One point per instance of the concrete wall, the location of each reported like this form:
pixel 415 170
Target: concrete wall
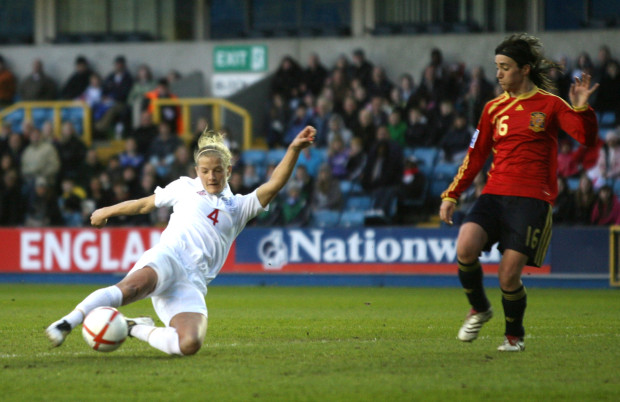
pixel 397 54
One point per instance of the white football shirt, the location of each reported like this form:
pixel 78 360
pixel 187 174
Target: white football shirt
pixel 202 226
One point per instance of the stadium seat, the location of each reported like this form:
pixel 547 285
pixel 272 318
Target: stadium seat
pixel 41 115
pixel 573 183
pixel 325 218
pixel 274 156
pixel 607 119
pixel 443 174
pixel 352 219
pixel 256 157
pixel 426 156
pixel 358 203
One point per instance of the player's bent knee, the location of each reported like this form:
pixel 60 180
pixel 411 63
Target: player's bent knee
pixel 189 345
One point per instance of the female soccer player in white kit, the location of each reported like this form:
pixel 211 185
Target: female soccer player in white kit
pixel 175 273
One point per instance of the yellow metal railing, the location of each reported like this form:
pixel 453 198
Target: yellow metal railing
pixel 57 107
pixel 217 106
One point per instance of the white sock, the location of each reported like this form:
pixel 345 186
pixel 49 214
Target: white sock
pixel 164 339
pixel 110 296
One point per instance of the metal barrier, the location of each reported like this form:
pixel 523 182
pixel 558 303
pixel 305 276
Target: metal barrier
pixel 57 108
pixel 217 105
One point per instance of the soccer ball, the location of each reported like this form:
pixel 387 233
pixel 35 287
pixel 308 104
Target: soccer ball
pixel 104 329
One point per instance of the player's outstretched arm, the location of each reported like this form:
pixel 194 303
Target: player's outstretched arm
pixel 282 172
pixel 132 207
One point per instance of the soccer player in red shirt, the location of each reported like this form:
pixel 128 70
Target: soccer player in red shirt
pixel 519 129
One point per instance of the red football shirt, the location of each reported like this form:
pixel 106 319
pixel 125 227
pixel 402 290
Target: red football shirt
pixel 522 134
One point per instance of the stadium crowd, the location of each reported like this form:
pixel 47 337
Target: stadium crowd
pixel 368 127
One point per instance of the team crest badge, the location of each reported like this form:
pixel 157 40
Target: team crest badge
pixel 537 121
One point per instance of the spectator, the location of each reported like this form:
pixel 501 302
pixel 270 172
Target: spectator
pixel 567 165
pixel 337 158
pixel 8 85
pixel 251 179
pixel 607 167
pixel 312 159
pixel 350 112
pixel 145 133
pixel 377 111
pixel 161 152
pixel 326 193
pixel 277 120
pixel 93 96
pixel 320 121
pixel 583 65
pixel 295 209
pixel 304 181
pixel 314 74
pixel 47 132
pixel 564 205
pixel 98 195
pixel 479 92
pixel 357 160
pixel 413 181
pixel 15 147
pixel 365 129
pixel 606 209
pixel 362 68
pixel 90 167
pixel 383 172
pixel 585 197
pixel 40 159
pixel 182 162
pixel 168 113
pixel 442 121
pixel 379 84
pixel 342 63
pixel 406 87
pixel 397 127
pixel 299 120
pixel 339 84
pixel 41 206
pixel 11 199
pixel 418 131
pixel 37 86
pixel 71 151
pixel 116 88
pixel 287 78
pixel 131 181
pixel 5 132
pixel 70 203
pixel 608 97
pixel 78 81
pixel 130 156
pixel 455 142
pixel 337 129
pixel 143 84
pixel 236 183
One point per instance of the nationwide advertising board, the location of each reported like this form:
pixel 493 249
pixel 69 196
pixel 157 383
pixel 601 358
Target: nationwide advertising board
pixel 256 250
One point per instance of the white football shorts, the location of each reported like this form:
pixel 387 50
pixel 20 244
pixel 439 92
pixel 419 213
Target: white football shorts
pixel 174 292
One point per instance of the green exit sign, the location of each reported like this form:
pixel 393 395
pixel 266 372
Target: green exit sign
pixel 240 58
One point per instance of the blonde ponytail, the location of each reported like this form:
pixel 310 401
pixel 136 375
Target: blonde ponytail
pixel 211 143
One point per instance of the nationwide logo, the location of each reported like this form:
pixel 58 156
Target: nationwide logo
pixel 272 251
pixel 281 247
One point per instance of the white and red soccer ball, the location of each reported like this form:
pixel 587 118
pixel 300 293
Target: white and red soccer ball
pixel 104 329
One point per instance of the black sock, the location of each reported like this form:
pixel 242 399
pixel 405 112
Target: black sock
pixel 514 303
pixel 470 276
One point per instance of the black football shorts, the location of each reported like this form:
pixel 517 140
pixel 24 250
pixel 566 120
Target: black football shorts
pixel 522 224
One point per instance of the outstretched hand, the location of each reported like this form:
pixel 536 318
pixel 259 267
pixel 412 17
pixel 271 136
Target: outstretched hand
pixel 304 139
pixel 580 90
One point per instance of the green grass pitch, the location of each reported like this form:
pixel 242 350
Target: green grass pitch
pixel 322 344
